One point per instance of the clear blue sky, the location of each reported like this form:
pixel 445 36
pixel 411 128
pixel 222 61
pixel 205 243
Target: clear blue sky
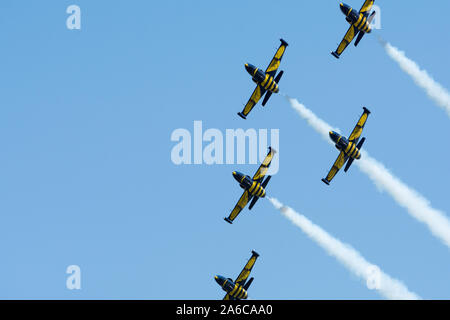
pixel 86 176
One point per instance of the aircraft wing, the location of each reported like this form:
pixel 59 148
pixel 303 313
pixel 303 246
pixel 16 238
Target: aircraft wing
pixel 340 161
pixel 245 198
pixel 366 7
pixel 242 277
pixel 262 170
pixel 349 36
pixel 275 63
pixel 356 133
pixel 256 96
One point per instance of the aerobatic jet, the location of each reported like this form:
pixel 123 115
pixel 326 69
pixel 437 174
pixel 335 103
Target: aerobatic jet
pixel 359 24
pixel 350 149
pixel 237 289
pixel 266 81
pixel 254 188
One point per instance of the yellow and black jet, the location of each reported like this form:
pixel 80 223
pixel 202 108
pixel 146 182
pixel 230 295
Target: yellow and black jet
pixel 254 188
pixel 349 148
pixel 266 81
pixel 359 24
pixel 237 290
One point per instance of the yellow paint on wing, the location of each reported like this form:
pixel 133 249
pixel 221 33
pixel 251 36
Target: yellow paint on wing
pixel 367 6
pixel 275 63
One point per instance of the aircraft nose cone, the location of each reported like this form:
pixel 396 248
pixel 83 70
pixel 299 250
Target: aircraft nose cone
pixel 219 279
pixel 250 68
pixel 334 136
pixel 344 8
pixel 238 176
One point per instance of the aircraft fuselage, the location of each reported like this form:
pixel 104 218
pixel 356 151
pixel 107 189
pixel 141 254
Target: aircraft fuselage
pixel 355 18
pixel 247 183
pixel 343 144
pixel 265 80
pixel 234 290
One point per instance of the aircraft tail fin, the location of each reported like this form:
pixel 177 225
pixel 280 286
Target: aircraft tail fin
pixel 269 93
pixel 350 161
pixel 362 33
pixel 369 20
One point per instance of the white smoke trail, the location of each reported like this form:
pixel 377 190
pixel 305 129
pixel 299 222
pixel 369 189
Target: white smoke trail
pixel 375 278
pixel 418 207
pixel 415 204
pixel 314 121
pixel 434 90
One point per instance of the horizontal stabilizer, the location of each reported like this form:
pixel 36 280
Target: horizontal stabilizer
pixel 265 182
pixel 360 36
pixel 278 77
pixel 360 144
pixel 252 203
pixel 349 163
pixel 249 282
pixel 266 97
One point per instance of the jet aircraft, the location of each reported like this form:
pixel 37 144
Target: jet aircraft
pixel 237 290
pixel 349 148
pixel 266 81
pixel 254 188
pixel 359 24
